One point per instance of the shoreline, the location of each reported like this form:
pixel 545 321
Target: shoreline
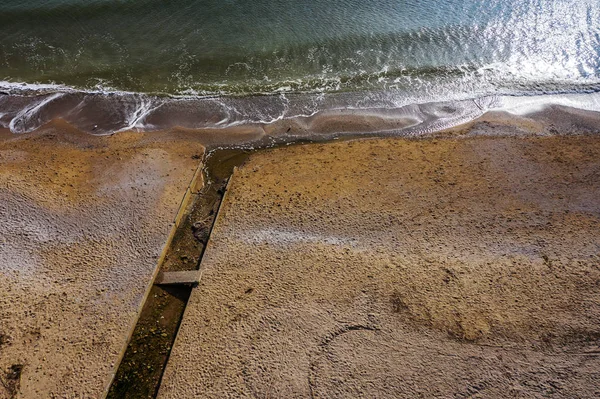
pixel 519 117
pixel 230 120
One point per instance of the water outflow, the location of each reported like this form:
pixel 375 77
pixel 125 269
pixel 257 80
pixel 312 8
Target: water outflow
pixel 433 50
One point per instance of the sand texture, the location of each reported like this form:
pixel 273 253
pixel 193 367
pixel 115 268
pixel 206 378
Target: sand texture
pixel 401 269
pixel 83 220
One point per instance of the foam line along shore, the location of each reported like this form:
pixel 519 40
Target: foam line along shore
pixel 103 66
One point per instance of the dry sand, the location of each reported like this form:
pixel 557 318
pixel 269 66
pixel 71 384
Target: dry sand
pixel 460 267
pixel 83 220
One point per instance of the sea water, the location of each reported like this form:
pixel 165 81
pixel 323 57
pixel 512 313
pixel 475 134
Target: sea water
pixel 108 65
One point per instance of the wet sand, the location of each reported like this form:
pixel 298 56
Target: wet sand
pixel 83 222
pixel 458 267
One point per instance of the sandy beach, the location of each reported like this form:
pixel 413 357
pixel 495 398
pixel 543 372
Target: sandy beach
pixel 83 222
pixel 456 267
pixel 461 263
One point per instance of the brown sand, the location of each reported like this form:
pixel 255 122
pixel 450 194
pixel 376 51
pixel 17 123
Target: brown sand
pixel 83 220
pixel 401 269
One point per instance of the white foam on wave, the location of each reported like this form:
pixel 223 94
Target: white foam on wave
pixel 136 119
pixel 18 87
pixel 20 122
pixel 23 88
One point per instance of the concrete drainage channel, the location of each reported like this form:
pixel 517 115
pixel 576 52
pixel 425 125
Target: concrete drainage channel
pixel 142 366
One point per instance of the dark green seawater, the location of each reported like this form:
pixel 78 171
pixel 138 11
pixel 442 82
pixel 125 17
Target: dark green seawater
pixel 265 46
pixel 395 52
